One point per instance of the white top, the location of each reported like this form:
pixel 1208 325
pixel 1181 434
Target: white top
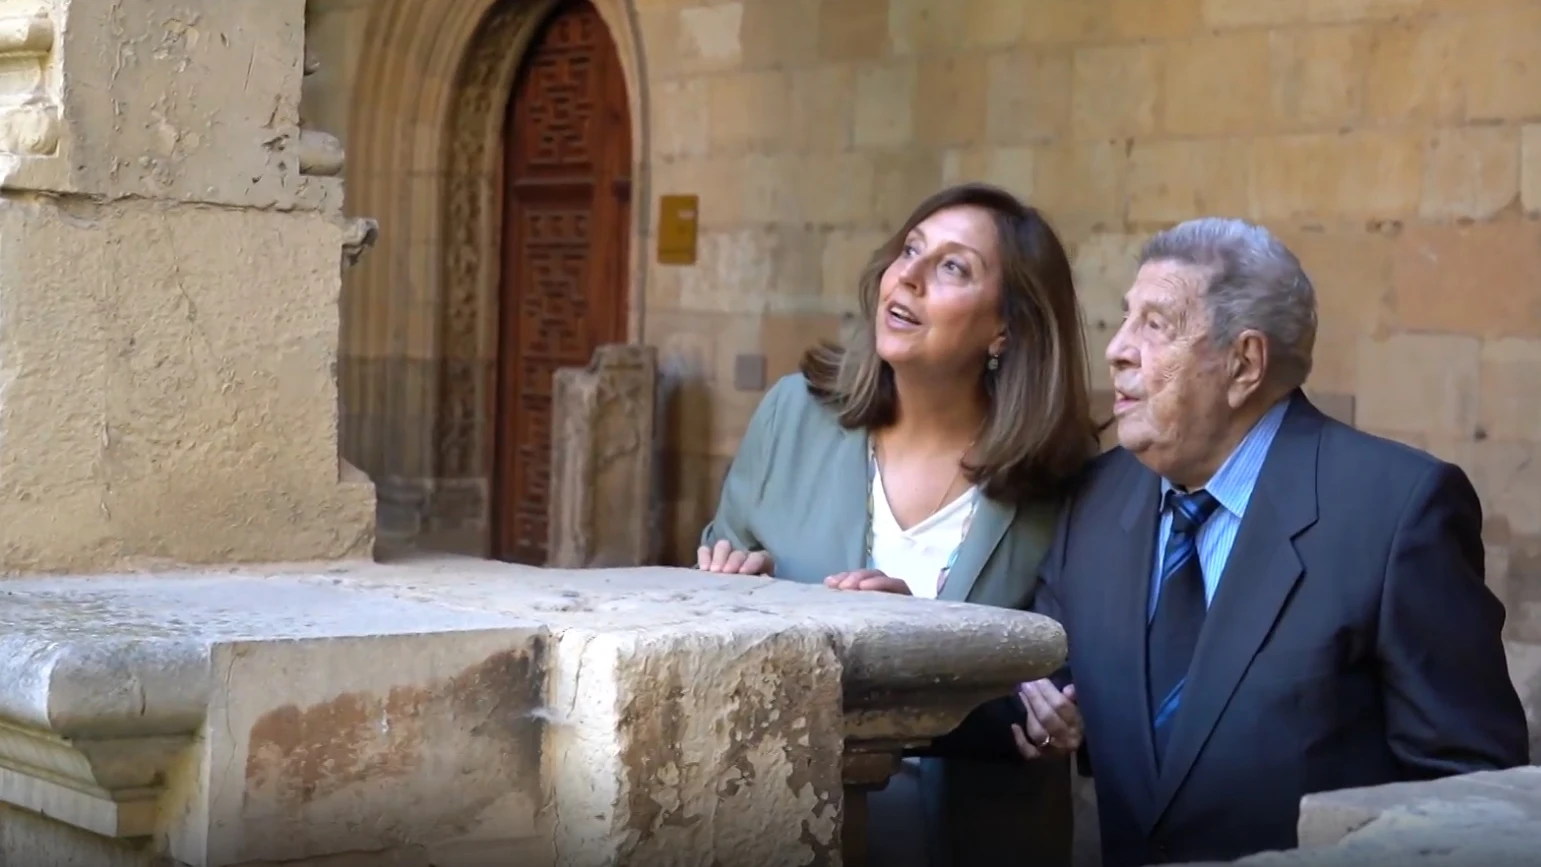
pixel 917 556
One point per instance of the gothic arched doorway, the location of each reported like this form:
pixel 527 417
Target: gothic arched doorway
pixel 566 220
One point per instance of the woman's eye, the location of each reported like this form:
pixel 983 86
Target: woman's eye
pixel 955 268
pixel 909 250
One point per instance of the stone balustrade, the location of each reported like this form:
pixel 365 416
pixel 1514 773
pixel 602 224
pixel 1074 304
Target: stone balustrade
pixel 1490 819
pixel 461 712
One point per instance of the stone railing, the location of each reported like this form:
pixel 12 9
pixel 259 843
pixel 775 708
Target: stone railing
pixel 458 712
pixel 1491 818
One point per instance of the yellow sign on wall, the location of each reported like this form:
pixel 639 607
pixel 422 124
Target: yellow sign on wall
pixel 677 221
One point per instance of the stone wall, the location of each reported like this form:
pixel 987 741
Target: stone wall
pixel 1390 142
pixel 169 273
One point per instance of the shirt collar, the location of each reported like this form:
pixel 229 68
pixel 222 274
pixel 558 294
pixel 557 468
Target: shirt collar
pixel 1232 484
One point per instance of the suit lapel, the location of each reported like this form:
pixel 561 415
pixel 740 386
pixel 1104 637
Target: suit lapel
pixel 990 523
pixel 845 501
pixel 1260 574
pixel 1133 559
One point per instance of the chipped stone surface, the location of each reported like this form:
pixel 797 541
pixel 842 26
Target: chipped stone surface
pixel 1482 819
pixel 603 510
pixel 197 103
pixel 162 403
pixel 451 707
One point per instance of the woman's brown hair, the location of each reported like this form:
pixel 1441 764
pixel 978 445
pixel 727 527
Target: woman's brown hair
pixel 1039 431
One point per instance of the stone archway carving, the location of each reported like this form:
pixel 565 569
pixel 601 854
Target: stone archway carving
pixel 425 160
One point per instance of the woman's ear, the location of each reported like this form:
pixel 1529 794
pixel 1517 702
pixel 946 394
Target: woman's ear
pixel 998 345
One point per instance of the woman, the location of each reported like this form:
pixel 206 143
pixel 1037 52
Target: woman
pixel 927 456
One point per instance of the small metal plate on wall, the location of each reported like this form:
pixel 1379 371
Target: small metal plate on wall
pixel 678 218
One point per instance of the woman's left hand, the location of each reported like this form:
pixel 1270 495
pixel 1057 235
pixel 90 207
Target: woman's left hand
pixel 867 579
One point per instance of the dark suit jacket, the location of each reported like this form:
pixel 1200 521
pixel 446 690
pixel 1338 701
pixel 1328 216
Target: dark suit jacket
pixel 1351 642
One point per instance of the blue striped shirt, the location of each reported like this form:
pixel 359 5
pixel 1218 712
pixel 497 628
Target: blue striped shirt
pixel 1232 486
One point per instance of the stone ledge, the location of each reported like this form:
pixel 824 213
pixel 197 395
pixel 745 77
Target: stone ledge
pixel 273 714
pixel 1489 819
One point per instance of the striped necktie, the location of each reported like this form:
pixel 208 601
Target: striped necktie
pixel 1180 610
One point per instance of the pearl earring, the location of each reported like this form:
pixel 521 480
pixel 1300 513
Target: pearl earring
pixel 994 363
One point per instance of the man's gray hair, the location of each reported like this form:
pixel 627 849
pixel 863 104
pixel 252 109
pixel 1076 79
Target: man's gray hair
pixel 1255 282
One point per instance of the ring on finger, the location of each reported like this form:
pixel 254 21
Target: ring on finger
pixel 1047 740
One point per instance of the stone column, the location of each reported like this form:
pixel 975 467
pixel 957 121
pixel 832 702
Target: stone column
pixel 169 278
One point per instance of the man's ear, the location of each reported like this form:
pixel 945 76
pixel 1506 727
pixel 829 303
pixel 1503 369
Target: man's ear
pixel 1248 366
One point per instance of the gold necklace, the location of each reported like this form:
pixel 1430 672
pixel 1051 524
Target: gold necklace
pixel 953 480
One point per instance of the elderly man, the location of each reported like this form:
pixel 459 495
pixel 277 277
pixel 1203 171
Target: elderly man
pixel 1261 602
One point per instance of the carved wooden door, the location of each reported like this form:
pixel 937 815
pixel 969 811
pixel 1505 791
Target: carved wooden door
pixel 567 195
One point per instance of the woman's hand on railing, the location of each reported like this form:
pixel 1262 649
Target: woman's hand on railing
pixel 722 558
pixel 870 580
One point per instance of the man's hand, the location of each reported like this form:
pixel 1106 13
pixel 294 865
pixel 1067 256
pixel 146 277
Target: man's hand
pixel 867 579
pixel 722 558
pixel 1053 721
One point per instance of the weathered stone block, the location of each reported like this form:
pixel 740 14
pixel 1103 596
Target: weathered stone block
pixel 1082 184
pixel 1530 169
pixel 785 337
pixel 603 500
pixel 1351 272
pixel 824 107
pixel 201 104
pixel 1470 173
pixel 1438 269
pixel 1317 76
pixel 930 27
pixel 778 34
pixel 836 189
pixel 904 179
pixel 1172 181
pixel 1507 474
pixel 710 36
pixel 1116 91
pixel 1496 51
pixel 1011 168
pixel 1139 19
pixel 994 23
pixel 1067 21
pixel 1273 13
pixel 1193 105
pixel 950 100
pixel 1419 384
pixel 749 110
pixel 681 118
pixel 1475 818
pixel 1029 95
pixel 1352 176
pixel 170 390
pixel 885 96
pixel 1415 73
pixel 1104 267
pixel 852 30
pixel 1509 406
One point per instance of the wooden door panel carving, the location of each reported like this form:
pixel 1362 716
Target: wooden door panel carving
pixel 567 167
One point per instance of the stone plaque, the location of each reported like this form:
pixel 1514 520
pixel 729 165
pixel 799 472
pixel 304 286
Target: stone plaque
pixel 601 511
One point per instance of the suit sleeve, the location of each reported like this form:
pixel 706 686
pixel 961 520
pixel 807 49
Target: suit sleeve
pixel 1450 705
pixel 1048 598
pixel 1049 601
pixel 747 471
